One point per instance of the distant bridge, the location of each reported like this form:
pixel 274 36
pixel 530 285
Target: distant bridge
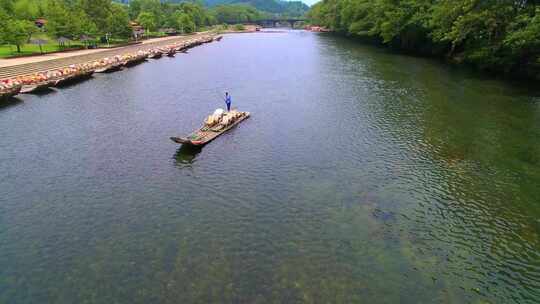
pixel 275 22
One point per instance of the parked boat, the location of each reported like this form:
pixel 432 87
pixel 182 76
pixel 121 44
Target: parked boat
pixel 155 55
pixel 111 68
pixel 70 79
pixel 135 61
pixel 8 93
pixel 38 87
pixel 211 131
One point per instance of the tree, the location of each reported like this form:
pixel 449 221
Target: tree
pixel 3 23
pixel 26 9
pixel 195 11
pixel 186 23
pixel 173 20
pixel 150 6
pixel 60 23
pixel 6 6
pixel 17 32
pixel 70 22
pixel 87 27
pixel 134 9
pixel 490 34
pixel 147 20
pixel 119 22
pixel 238 13
pixel 99 12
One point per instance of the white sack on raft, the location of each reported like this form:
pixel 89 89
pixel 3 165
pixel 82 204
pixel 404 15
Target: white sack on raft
pixel 219 112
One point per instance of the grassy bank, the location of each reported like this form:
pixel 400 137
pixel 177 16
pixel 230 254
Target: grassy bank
pixel 52 45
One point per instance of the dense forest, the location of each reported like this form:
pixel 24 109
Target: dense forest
pixel 494 35
pixel 284 8
pixel 280 7
pixel 236 13
pixel 74 19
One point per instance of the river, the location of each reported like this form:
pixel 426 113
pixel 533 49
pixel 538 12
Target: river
pixel 363 176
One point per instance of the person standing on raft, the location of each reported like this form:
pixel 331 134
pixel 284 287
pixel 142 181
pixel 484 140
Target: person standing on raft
pixel 228 101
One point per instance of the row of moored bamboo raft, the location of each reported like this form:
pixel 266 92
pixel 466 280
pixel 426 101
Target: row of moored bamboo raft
pixel 40 81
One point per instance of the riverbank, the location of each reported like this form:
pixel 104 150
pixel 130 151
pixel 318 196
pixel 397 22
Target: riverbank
pixel 501 38
pixel 246 29
pixel 40 73
pixel 528 73
pixel 61 55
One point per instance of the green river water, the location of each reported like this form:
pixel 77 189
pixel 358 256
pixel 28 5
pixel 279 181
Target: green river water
pixel 363 176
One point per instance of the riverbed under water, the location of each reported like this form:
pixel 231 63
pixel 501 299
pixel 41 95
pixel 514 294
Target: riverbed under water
pixel 362 176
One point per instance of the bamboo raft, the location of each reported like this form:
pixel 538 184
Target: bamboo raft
pixel 135 61
pixel 73 78
pixel 111 68
pixel 7 94
pixel 206 134
pixel 155 55
pixel 38 87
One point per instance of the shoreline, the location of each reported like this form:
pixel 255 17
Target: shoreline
pixel 32 75
pixel 16 61
pixel 146 44
pixel 44 73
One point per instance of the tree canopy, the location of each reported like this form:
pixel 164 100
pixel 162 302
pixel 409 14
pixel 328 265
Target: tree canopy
pixel 148 20
pixel 490 34
pixel 283 8
pixel 99 18
pixel 17 32
pixel 236 13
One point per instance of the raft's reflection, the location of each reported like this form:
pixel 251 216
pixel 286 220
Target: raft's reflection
pixel 186 155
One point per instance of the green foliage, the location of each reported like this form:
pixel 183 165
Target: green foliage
pixel 239 27
pixel 221 28
pixel 96 18
pixel 6 6
pixel 118 23
pixel 26 9
pixel 3 23
pixel 279 7
pixel 99 12
pixel 524 35
pixel 148 21
pixel 238 13
pixel 153 7
pixel 66 22
pixel 168 14
pixel 60 23
pixel 195 12
pixel 186 23
pixel 17 32
pixel 491 34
